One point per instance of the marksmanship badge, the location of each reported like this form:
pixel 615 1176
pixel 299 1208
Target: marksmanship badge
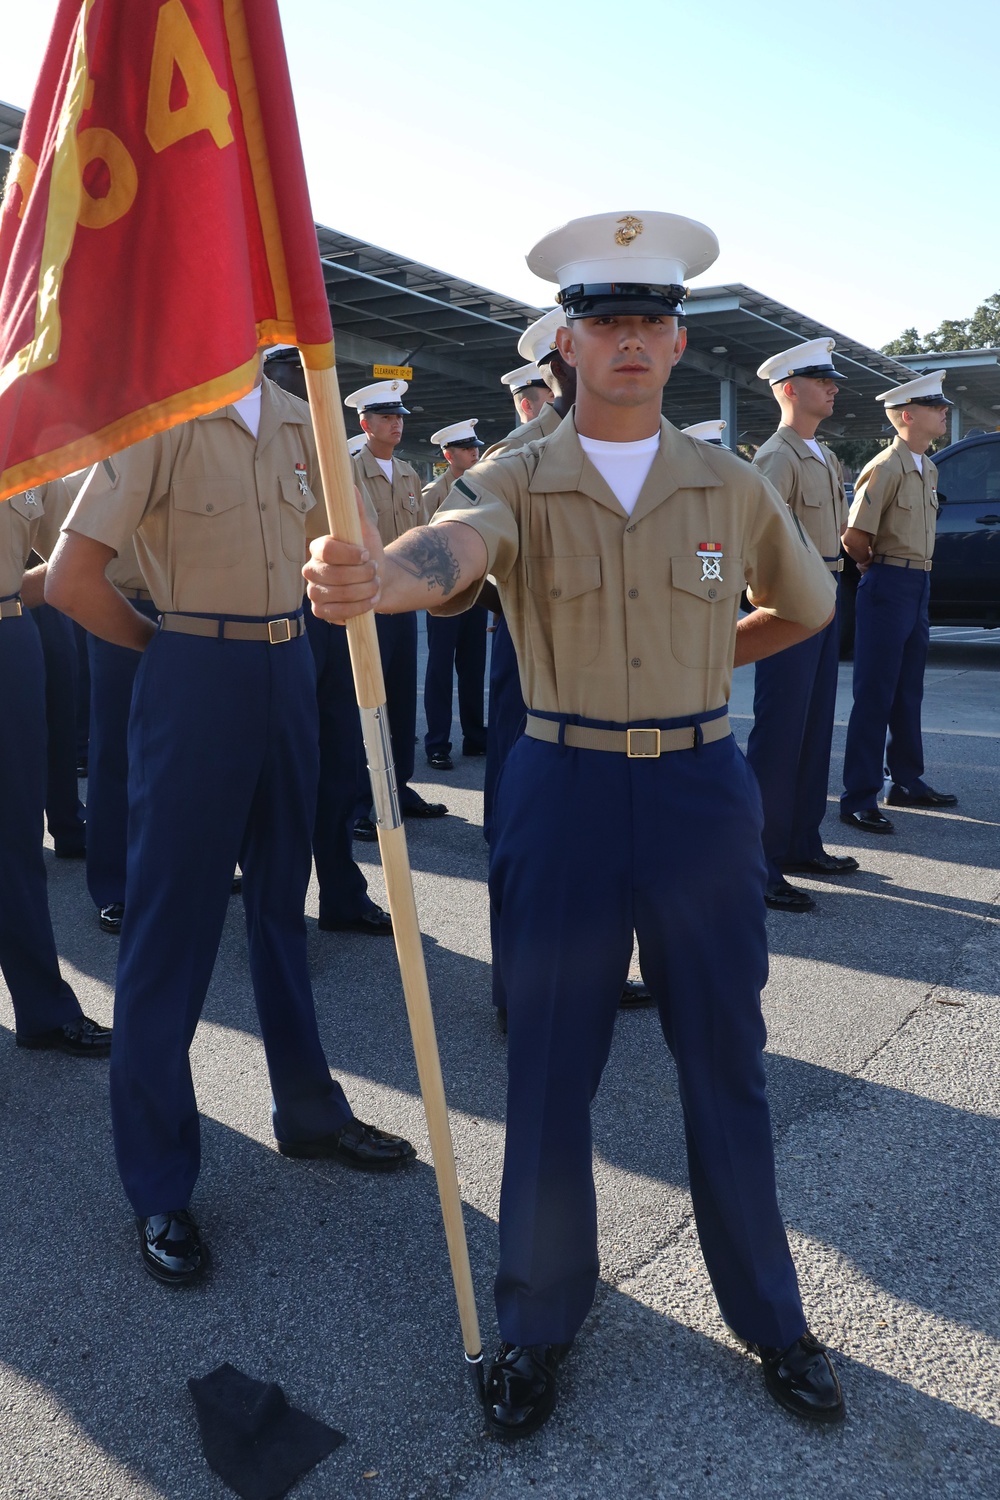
pixel 711 560
pixel 630 230
pixel 302 477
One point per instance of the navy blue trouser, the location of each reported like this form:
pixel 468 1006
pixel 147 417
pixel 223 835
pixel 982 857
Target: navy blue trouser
pixel 455 644
pixel 343 889
pixel 795 694
pixel 63 808
pixel 506 724
pixel 112 675
pixel 506 716
pixel 891 637
pixel 223 767
pixel 397 644
pixel 41 998
pixel 83 694
pixel 578 861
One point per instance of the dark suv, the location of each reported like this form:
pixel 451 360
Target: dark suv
pixel 965 581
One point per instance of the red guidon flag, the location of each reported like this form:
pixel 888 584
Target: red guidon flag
pixel 155 230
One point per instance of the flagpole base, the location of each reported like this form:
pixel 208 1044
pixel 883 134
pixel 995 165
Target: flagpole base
pixel 477 1374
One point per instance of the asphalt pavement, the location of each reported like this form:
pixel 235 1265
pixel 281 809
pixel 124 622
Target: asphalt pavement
pixel 884 1077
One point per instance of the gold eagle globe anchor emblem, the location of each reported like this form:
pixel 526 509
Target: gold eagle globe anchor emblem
pixel 630 230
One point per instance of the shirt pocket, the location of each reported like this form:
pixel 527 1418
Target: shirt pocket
pixel 703 611
pixel 27 505
pixel 567 605
pixel 209 516
pixel 294 508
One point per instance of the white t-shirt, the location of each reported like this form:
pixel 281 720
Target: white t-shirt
pixel 814 447
pixel 248 407
pixel 622 466
pixel 385 464
pixel 918 459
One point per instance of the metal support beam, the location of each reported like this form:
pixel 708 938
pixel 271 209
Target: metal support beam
pixel 728 413
pixel 956 425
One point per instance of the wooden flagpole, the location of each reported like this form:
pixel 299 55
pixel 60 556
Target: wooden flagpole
pixel 342 513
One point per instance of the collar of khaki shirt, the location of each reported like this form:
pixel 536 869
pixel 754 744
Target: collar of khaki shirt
pixel 907 460
pixel 679 463
pixel 798 445
pixel 276 411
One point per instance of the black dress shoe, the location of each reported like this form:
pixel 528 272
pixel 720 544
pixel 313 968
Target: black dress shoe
pixel 171 1248
pixel 780 896
pixel 109 918
pixel 375 923
pixel 635 994
pixel 521 1388
pixel 82 1038
pixel 869 820
pixel 418 808
pixel 824 864
pixel 440 760
pixel 926 796
pixel 71 851
pixel 357 1144
pixel 365 830
pixel 802 1379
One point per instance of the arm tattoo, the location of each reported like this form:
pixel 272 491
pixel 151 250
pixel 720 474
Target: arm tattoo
pixel 425 553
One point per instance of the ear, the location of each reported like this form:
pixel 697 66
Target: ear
pixel 566 346
pixel 681 344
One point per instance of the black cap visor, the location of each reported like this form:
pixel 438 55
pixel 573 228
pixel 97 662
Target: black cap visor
pixel 622 299
pixel 814 372
pixel 387 408
pixel 463 443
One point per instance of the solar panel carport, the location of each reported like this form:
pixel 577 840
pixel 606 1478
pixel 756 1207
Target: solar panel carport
pixel 459 338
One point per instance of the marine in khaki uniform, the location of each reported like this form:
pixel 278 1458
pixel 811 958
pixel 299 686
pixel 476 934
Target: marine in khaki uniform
pixel 393 488
pixel 890 535
pixel 223 767
pixel 344 902
pixel 507 708
pixel 529 391
pixel 457 645
pixel 47 1014
pixel 620 549
pixel 795 692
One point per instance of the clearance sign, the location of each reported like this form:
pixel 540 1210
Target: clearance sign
pixel 155 229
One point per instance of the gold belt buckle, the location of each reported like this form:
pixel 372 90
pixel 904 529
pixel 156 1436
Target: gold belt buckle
pixel 635 753
pixel 274 631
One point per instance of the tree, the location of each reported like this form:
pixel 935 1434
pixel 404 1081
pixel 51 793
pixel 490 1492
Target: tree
pixel 981 331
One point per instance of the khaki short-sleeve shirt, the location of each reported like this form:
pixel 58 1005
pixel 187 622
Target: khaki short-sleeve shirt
pixel 625 618
pixel 543 425
pixel 398 506
pixel 221 520
pixel 897 504
pixel 29 522
pixel 812 487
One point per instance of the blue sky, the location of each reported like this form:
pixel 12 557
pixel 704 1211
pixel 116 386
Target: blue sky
pixel 845 155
